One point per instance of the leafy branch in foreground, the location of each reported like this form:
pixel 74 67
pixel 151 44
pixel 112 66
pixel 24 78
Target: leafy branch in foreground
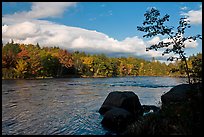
pixel 154 25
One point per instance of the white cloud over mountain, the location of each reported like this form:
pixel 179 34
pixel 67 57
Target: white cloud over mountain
pixel 31 30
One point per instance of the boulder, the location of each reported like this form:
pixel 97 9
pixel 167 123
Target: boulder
pixel 127 100
pixel 180 114
pixel 117 119
pixel 179 93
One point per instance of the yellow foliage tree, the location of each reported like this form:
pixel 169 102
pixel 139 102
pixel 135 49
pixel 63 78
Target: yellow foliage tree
pixel 88 61
pixel 21 68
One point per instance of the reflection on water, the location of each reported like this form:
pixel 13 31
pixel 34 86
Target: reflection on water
pixel 70 106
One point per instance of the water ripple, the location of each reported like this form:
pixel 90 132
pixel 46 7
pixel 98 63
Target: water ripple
pixel 69 106
pixel 140 85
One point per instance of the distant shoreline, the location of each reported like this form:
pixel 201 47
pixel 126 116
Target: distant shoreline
pixel 72 76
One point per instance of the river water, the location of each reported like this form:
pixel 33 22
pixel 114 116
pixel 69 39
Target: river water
pixel 69 106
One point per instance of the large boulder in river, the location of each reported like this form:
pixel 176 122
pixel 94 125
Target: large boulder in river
pixel 117 119
pixel 126 100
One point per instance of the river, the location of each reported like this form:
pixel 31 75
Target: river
pixel 69 106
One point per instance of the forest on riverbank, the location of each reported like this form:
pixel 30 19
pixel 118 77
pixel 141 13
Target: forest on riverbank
pixel 33 61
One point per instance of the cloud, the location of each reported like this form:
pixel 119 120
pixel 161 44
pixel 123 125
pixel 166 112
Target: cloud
pixel 40 10
pixel 188 43
pixel 72 38
pixel 31 30
pixel 110 12
pixel 191 44
pixel 92 19
pixel 184 8
pixel 195 16
pixel 149 8
pixel 153 41
pixel 77 39
pixel 102 5
pixel 21 31
pixel 106 14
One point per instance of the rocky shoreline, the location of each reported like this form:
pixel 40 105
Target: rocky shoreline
pixel 180 113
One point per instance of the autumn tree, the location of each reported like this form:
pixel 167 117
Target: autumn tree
pixel 34 60
pixel 88 61
pixel 154 25
pixel 65 59
pixel 31 61
pixel 78 63
pixel 9 55
pixel 21 68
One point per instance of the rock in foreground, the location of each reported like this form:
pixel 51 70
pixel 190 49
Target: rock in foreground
pixel 178 93
pixel 180 114
pixel 120 109
pixel 117 119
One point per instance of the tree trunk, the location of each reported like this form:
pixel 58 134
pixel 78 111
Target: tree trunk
pixel 61 70
pixel 187 70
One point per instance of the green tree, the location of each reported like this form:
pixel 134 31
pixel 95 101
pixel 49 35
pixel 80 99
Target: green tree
pixel 154 25
pixel 196 68
pixel 114 65
pixel 50 65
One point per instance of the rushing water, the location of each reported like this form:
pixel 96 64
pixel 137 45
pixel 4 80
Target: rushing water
pixel 70 106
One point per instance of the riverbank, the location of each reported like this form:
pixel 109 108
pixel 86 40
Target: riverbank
pixel 180 114
pixel 27 78
pixel 83 76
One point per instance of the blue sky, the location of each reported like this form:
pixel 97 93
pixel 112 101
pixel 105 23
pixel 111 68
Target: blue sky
pixel 116 20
